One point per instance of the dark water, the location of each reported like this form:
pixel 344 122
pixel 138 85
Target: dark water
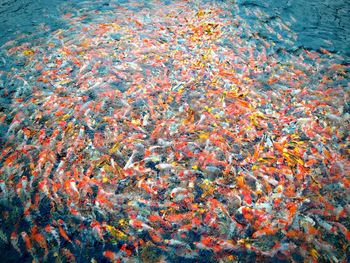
pixel 317 23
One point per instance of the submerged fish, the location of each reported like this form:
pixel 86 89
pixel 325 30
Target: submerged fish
pixel 153 131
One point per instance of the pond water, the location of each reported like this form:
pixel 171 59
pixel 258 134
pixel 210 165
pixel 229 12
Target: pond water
pixel 318 23
pixel 174 131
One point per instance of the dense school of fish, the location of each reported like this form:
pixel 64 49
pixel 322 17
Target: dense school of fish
pixel 173 132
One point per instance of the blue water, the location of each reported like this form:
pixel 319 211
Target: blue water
pixel 317 23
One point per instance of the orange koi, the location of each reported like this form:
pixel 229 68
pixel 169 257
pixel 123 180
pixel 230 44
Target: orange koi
pixel 155 237
pixel 138 23
pixel 139 224
pixel 63 233
pixel 313 231
pixel 292 207
pixel 178 217
pixel 155 218
pixel 112 256
pixel 28 242
pixel 40 239
pixel 265 231
pixel 247 213
pixel 311 55
pixel 128 252
pixel 224 73
pixel 294 234
pixel 243 103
